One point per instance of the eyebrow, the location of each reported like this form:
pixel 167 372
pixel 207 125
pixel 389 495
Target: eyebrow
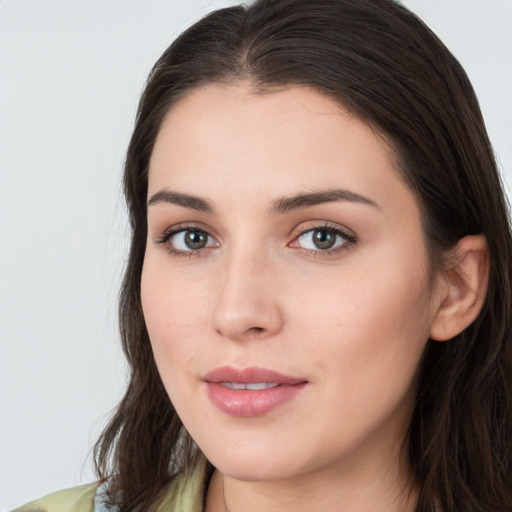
pixel 287 204
pixel 180 199
pixel 279 206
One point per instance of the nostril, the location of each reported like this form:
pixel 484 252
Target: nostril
pixel 255 330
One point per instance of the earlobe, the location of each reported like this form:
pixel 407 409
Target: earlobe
pixel 464 288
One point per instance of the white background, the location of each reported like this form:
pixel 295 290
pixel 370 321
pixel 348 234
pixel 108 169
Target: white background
pixel 70 76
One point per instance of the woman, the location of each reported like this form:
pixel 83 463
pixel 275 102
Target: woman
pixel 316 308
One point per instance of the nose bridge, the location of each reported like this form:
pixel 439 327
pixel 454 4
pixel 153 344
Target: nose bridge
pixel 247 303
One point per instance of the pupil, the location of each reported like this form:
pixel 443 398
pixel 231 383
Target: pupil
pixel 324 239
pixel 195 239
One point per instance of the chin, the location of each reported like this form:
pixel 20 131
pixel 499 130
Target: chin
pixel 259 462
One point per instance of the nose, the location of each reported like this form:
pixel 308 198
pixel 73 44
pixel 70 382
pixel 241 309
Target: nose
pixel 247 304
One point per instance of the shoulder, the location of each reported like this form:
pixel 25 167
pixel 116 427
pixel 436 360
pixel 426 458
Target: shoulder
pixel 184 494
pixel 76 499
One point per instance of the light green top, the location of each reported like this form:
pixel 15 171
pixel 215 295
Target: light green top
pixel 184 495
pixel 77 499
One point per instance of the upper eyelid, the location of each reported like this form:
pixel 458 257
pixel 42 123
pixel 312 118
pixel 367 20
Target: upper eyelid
pixel 185 226
pixel 327 225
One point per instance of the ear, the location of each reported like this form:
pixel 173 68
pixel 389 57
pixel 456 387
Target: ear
pixel 463 288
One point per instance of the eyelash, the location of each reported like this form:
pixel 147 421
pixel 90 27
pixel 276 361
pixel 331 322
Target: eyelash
pixel 173 231
pixel 349 239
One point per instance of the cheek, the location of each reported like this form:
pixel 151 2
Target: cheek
pixel 171 319
pixel 371 328
pixel 365 343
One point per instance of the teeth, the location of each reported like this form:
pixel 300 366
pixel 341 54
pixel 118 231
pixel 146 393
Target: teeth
pixel 253 386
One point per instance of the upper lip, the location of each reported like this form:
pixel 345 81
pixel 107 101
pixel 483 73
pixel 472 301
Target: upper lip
pixel 250 375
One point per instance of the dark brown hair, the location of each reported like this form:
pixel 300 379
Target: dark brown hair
pixel 386 67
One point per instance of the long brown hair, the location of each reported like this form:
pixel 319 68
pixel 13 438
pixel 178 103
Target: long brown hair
pixel 385 66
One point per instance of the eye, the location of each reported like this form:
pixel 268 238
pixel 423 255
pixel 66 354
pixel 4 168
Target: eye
pixel 190 240
pixel 187 240
pixel 323 239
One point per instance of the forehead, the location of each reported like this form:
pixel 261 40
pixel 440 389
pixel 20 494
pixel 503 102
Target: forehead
pixel 299 108
pixel 224 137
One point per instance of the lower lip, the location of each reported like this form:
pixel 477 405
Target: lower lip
pixel 248 404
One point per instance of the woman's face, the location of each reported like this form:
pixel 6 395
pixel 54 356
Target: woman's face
pixel 285 285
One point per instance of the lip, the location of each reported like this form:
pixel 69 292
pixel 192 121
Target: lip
pixel 248 403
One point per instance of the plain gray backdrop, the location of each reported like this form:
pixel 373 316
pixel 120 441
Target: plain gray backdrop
pixel 70 76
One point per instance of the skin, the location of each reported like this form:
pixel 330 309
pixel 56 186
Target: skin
pixel 353 322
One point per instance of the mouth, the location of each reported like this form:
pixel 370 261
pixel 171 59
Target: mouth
pixel 250 392
pixel 250 386
pixel 248 376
